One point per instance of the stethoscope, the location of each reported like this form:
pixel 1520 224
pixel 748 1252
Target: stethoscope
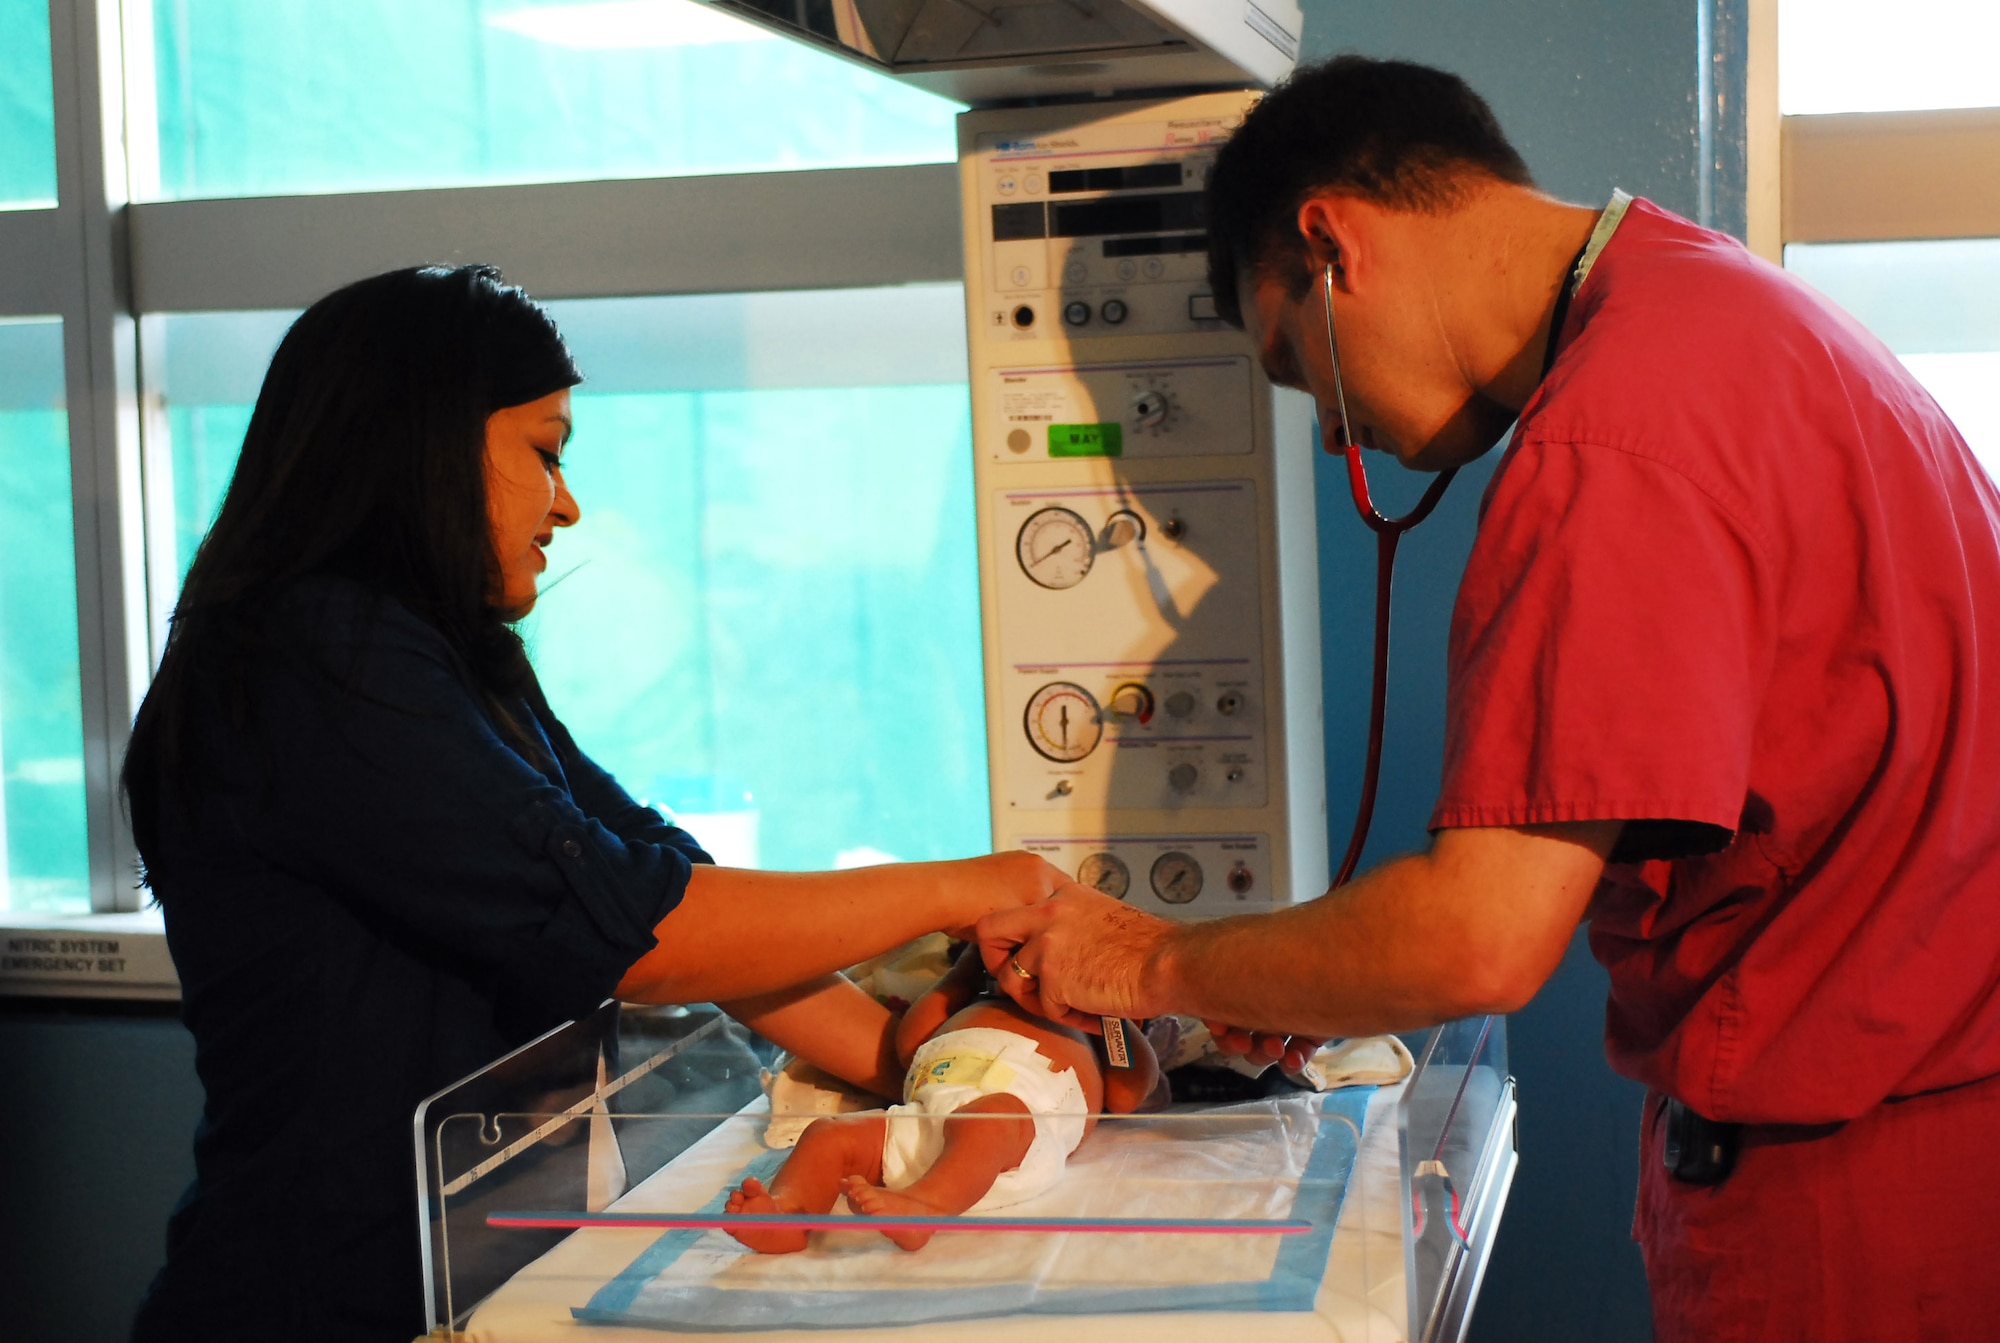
pixel 1388 531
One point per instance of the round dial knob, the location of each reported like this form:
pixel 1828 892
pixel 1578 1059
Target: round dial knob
pixel 1150 408
pixel 1181 704
pixel 1176 877
pixel 1107 872
pixel 1133 700
pixel 1184 776
pixel 1121 529
pixel 1055 548
pixel 1063 722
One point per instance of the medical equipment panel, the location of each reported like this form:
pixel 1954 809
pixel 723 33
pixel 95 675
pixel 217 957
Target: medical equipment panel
pixel 1147 550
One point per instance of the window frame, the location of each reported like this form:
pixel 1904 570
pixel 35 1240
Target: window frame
pixel 1860 176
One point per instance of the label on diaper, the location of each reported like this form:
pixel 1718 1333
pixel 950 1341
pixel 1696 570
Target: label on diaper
pixel 967 1068
pixel 1115 1049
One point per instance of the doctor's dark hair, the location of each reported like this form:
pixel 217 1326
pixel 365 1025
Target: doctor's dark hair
pixel 1401 135
pixel 364 460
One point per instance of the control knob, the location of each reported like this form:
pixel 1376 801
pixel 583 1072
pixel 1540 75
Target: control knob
pixel 1132 700
pixel 1150 408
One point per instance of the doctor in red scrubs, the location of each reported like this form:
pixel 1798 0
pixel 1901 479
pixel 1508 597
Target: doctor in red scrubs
pixel 1724 681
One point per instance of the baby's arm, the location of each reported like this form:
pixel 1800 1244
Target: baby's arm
pixel 833 1024
pixel 937 1005
pixel 1126 1089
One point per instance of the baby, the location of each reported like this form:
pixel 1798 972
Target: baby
pixel 967 1053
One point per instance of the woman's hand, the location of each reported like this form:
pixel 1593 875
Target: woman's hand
pixel 1000 881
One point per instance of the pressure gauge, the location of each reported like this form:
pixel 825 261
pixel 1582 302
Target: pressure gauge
pixel 1107 872
pixel 1063 722
pixel 1055 548
pixel 1176 877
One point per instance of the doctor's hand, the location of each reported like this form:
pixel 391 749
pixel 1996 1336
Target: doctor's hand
pixel 1078 956
pixel 1082 955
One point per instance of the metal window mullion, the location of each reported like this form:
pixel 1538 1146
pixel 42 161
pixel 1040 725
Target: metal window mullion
pixel 100 363
pixel 36 245
pixel 835 228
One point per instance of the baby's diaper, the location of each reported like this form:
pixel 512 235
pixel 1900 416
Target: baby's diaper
pixel 955 1069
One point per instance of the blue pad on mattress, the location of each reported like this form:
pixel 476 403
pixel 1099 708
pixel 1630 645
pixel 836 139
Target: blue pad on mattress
pixel 1283 1158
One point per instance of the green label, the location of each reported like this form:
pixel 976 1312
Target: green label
pixel 1086 440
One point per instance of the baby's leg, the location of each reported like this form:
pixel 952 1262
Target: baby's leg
pixel 809 1181
pixel 982 1141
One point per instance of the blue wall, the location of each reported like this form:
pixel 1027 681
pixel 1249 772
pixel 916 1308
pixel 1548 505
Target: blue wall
pixel 1596 94
pixel 101 1107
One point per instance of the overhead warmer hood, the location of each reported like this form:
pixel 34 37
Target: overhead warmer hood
pixel 985 52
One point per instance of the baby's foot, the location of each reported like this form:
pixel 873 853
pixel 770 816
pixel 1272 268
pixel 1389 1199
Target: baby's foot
pixel 753 1197
pixel 874 1201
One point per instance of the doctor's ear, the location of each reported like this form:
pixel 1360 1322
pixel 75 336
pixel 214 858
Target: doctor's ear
pixel 1321 231
pixel 1333 230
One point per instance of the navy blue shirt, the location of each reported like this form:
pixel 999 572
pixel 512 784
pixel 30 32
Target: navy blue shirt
pixel 382 895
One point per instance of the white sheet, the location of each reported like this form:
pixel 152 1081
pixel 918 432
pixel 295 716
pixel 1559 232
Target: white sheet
pixel 1360 1299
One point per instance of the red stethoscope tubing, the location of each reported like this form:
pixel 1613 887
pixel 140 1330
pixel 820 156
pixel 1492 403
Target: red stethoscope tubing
pixel 1388 531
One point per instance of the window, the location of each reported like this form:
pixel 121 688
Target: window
pixel 1937 305
pixel 261 99
pixel 1864 56
pixel 1884 207
pixel 768 618
pixel 27 107
pixel 779 537
pixel 44 858
pixel 202 394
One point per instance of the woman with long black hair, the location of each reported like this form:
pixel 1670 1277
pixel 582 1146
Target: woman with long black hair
pixel 381 859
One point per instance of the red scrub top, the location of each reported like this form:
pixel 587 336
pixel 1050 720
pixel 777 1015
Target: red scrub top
pixel 1737 582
